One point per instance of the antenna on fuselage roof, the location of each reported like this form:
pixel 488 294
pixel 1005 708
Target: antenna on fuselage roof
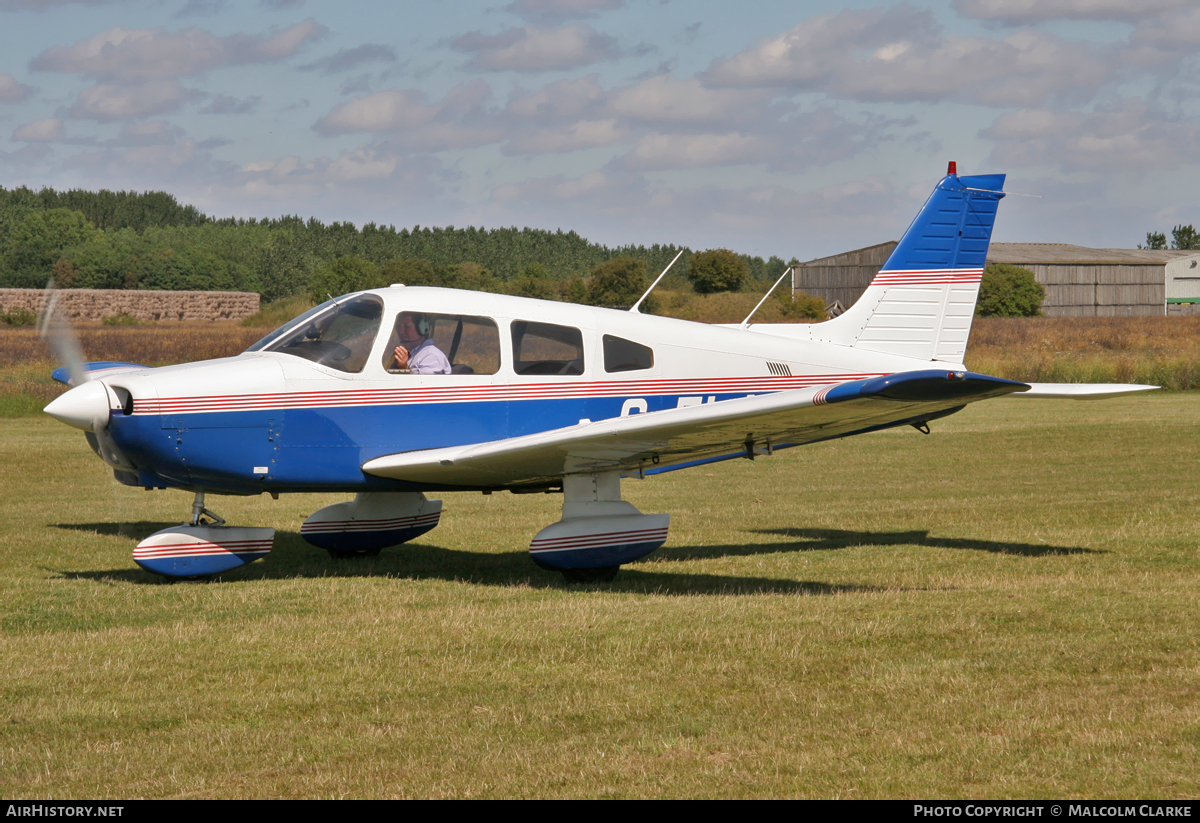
pixel 634 307
pixel 746 322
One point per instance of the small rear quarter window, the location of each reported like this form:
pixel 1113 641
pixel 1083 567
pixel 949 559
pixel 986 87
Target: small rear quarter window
pixel 625 355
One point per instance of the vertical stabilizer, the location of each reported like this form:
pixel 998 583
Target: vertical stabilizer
pixel 921 303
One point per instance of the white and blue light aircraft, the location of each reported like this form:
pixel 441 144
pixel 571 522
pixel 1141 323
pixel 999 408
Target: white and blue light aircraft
pixel 540 396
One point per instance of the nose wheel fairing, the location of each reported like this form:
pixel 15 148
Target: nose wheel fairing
pixel 187 551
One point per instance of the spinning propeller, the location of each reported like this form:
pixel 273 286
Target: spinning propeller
pixel 86 406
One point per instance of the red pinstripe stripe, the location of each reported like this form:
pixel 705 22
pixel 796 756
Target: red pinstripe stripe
pixel 368 525
pixel 584 541
pixel 362 397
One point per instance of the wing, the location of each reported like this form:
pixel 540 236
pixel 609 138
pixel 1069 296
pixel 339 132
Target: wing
pixel 1082 391
pixel 660 440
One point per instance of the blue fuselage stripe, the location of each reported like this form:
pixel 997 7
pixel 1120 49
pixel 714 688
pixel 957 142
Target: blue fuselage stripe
pixel 323 448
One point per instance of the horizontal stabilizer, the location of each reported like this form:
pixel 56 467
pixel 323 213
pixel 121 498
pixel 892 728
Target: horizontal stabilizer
pixel 1082 391
pixel 101 368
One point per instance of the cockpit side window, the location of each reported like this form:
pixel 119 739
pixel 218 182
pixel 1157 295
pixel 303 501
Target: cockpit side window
pixel 544 348
pixel 340 336
pixel 625 355
pixel 471 344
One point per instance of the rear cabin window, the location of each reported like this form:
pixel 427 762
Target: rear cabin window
pixel 543 348
pixel 625 355
pixel 471 344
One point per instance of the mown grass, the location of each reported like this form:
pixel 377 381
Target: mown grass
pixel 1006 608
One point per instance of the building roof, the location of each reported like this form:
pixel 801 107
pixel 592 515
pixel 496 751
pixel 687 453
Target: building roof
pixel 1032 254
pixel 1047 253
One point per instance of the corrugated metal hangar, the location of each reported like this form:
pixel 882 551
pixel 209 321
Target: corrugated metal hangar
pixel 1080 282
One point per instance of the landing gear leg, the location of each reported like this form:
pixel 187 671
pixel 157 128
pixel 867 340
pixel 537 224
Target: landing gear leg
pixel 598 531
pixel 198 511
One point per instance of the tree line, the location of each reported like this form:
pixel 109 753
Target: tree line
pixel 148 240
pixel 1182 237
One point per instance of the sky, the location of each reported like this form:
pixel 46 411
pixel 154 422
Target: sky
pixel 798 128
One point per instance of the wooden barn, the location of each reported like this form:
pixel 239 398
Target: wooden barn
pixel 1079 281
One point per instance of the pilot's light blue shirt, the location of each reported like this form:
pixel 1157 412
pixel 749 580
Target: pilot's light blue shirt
pixel 428 359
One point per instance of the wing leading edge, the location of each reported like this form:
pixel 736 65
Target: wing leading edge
pixel 665 438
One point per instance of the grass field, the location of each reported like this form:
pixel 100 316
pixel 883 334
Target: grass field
pixel 1005 608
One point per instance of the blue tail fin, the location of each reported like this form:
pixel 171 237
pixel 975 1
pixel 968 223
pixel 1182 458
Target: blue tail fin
pixel 921 303
pixel 953 228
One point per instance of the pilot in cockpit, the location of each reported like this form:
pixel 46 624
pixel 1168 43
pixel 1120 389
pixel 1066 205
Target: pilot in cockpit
pixel 416 353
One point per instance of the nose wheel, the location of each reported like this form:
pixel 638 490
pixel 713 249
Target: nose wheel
pixel 605 574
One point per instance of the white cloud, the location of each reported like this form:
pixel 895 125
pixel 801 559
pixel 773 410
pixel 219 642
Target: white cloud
pixel 1173 31
pixel 149 133
pixel 1130 136
pixel 40 131
pixel 901 54
pixel 42 5
pixel 584 134
pixel 675 151
pixel 106 102
pixel 153 160
pixel 533 49
pixel 562 98
pixel 367 169
pixel 11 91
pixel 664 99
pixel 382 111
pixel 346 59
pixel 134 54
pixel 599 190
pixel 459 120
pixel 201 8
pixel 562 8
pixel 1027 12
pixel 224 104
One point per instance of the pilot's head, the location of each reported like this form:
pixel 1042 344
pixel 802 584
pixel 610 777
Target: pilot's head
pixel 412 329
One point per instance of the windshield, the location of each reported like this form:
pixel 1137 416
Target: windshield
pixel 339 333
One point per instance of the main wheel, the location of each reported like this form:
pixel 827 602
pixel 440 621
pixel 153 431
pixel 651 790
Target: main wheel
pixel 606 574
pixel 350 554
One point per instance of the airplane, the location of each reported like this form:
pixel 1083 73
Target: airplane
pixel 532 396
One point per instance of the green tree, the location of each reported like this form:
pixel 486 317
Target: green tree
pixel 775 267
pixel 618 283
pixel 534 281
pixel 344 275
pixel 37 242
pixel 1154 240
pixel 1009 291
pixel 470 276
pixel 573 290
pixel 411 272
pixel 717 270
pixel 1184 237
pixel 800 306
